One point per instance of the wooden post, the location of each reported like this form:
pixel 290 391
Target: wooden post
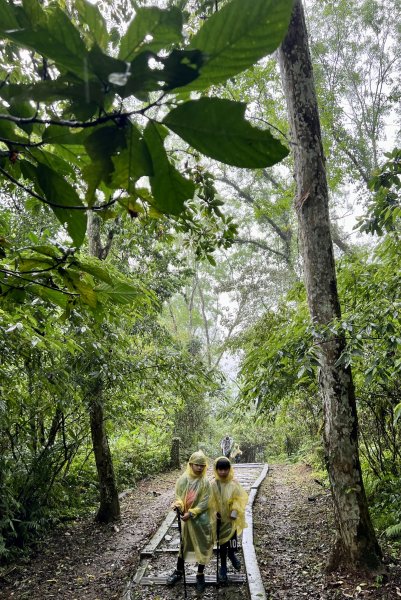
pixel 175 453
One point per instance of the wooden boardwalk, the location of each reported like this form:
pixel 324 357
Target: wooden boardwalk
pixel 159 555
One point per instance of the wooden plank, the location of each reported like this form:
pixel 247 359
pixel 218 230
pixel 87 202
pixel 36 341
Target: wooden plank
pixel 247 465
pixel 255 584
pixel 261 477
pixel 171 550
pixel 159 535
pixel 237 578
pixel 143 565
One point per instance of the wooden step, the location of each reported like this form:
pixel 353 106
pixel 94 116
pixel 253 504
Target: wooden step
pixel 236 578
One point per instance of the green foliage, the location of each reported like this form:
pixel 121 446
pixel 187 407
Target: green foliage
pixel 51 367
pixel 96 129
pixel 217 128
pixel 138 454
pixel 394 531
pixel 384 210
pixel 234 38
pixel 279 371
pixel 383 494
pixel 279 355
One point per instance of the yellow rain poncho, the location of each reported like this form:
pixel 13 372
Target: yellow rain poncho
pixel 228 495
pixel 193 495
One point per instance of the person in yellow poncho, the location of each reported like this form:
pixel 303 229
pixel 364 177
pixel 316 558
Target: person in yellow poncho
pixel 193 494
pixel 229 500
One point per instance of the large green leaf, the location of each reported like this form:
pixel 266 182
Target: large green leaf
pixel 46 250
pixel 53 161
pixel 106 67
pixel 57 134
pixel 218 129
pixel 180 67
pixel 237 36
pixel 8 133
pixel 121 292
pixel 141 78
pixel 59 40
pixel 49 295
pixel 93 266
pixel 8 19
pixel 51 91
pixel 177 69
pixel 90 14
pixel 152 29
pixel 24 110
pixel 101 145
pixel 35 13
pixel 131 163
pixel 105 141
pixel 58 191
pixel 170 189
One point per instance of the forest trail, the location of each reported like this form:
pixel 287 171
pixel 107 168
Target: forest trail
pixel 292 529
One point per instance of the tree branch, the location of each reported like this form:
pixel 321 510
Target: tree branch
pixel 261 245
pixel 250 200
pixel 52 204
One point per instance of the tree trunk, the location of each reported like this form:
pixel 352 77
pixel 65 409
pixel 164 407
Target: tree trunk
pixel 109 509
pixel 356 544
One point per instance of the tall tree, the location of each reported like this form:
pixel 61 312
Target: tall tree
pixel 109 508
pixel 356 543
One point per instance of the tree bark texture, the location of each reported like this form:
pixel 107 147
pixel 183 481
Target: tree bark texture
pixel 175 453
pixel 109 508
pixel 356 544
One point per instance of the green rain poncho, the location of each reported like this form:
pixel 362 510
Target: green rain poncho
pixel 228 495
pixel 193 495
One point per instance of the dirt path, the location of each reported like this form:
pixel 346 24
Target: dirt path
pixel 293 532
pixel 293 535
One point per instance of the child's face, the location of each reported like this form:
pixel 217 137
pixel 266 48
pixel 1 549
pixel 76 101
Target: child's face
pixel 223 473
pixel 197 469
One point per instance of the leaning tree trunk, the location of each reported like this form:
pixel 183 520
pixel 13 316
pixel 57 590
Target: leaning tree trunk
pixel 356 544
pixel 109 508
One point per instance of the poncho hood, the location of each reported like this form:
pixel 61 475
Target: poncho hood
pixel 230 475
pixel 198 458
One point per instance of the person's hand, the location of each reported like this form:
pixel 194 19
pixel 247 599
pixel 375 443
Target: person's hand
pixel 177 505
pixel 186 516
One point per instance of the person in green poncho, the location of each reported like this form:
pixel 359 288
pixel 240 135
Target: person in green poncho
pixel 229 500
pixel 192 492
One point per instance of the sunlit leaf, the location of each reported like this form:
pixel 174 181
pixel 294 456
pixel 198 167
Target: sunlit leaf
pixel 151 29
pixel 95 267
pixel 90 14
pixel 237 36
pixel 122 293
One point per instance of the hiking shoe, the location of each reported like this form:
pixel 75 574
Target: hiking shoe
pixel 235 561
pixel 174 577
pixel 223 574
pixel 200 583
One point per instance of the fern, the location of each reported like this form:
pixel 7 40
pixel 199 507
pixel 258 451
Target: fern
pixel 394 531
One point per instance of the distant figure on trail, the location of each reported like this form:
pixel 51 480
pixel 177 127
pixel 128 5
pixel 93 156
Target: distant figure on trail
pixel 193 494
pixel 236 453
pixel 226 444
pixel 229 500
